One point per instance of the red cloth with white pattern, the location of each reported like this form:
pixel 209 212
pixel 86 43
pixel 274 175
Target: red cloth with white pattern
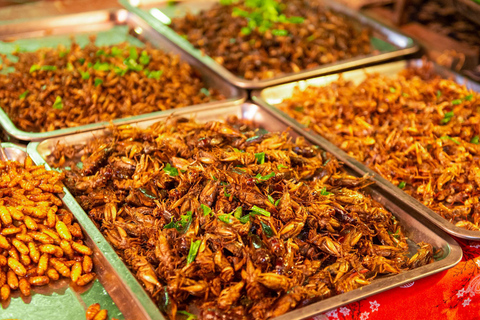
pixel 451 294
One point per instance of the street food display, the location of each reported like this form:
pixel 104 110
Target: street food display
pixel 259 40
pixel 222 207
pixel 223 219
pixel 418 130
pixel 40 241
pixel 52 89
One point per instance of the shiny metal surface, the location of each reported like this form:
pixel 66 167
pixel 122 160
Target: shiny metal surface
pixel 272 96
pixel 60 299
pixel 58 30
pixel 395 43
pixel 417 227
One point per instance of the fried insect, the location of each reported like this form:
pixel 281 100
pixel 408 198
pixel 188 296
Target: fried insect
pixel 416 129
pixel 232 219
pixel 34 241
pixel 94 312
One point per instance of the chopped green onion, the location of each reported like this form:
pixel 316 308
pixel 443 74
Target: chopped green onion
pixel 101 66
pixel 62 54
pixel 188 315
pixel 155 74
pixel 170 225
pixel 449 138
pixel 171 171
pixel 206 209
pixel 393 90
pixel 261 211
pixel 260 157
pixel 324 192
pixel 469 97
pixel 252 138
pixel 144 58
pixel 238 213
pixel 225 193
pixel 119 71
pixel 34 68
pixel 439 93
pixel 147 193
pixel 295 19
pixel 192 253
pixel 475 140
pixel 116 51
pixel 48 68
pixel 280 166
pixel 266 177
pixel 299 109
pixel 456 102
pixel 133 53
pixel 267 229
pixel 81 60
pixel 402 184
pixel 246 31
pixel 205 92
pixel 270 198
pixel 447 117
pixel 406 95
pixel 101 52
pixel 24 95
pixel 236 150
pixel 70 66
pixel 85 74
pixel 79 165
pixel 279 32
pixel 132 64
pixel 225 217
pixel 277 202
pixel 98 82
pixel 58 104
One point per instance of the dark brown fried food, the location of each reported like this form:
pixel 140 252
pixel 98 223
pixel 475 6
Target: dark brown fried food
pixel 54 89
pixel 236 221
pixel 323 37
pixel 418 130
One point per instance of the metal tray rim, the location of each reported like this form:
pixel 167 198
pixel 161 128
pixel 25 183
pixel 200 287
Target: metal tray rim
pixel 382 182
pixel 411 47
pixel 453 256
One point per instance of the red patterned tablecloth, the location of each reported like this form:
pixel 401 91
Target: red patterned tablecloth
pixel 451 294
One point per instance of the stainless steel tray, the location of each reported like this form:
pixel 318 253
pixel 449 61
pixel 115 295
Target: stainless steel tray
pixel 45 302
pixel 272 96
pixel 416 226
pixel 111 27
pixel 392 43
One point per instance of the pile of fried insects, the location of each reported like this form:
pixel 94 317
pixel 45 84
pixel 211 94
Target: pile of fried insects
pixel 231 222
pixel 39 239
pixel 416 129
pixel 51 89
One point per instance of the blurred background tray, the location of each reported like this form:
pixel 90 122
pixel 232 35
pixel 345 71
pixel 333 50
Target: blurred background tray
pixel 111 27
